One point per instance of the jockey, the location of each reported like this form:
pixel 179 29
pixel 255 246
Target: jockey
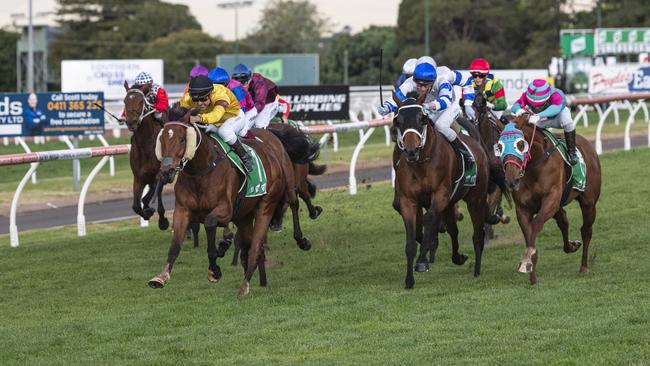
pixel 547 102
pixel 437 84
pixel 198 70
pixel 157 96
pixel 493 91
pixel 219 109
pixel 407 71
pixel 263 91
pixel 426 60
pixel 219 75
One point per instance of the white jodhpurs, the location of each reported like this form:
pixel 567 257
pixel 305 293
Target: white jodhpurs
pixel 249 117
pixel 562 120
pixel 231 128
pixel 442 120
pixel 264 116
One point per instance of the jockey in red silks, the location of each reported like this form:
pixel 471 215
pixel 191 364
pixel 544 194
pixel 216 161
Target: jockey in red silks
pixel 157 96
pixel 219 75
pixel 549 103
pixel 263 91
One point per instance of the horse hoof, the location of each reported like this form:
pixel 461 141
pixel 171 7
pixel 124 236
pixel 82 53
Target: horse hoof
pixel 214 276
pixel 304 244
pixel 163 224
pixel 244 289
pixel 317 211
pixel 584 269
pixel 525 267
pixel 276 228
pixel 409 284
pixel 493 220
pixel 460 216
pixel 157 282
pixel 505 219
pixel 459 260
pixel 147 213
pixel 421 267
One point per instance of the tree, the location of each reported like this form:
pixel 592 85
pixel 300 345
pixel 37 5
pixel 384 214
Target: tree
pixel 288 26
pixel 182 50
pixel 94 29
pixel 8 60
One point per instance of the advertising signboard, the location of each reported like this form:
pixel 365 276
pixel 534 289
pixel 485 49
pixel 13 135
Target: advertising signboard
pixel 282 69
pixel 324 102
pixel 48 114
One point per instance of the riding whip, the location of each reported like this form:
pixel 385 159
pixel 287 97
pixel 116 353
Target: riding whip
pixel 109 113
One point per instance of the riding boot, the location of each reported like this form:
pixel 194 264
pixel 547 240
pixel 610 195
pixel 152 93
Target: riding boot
pixel 571 146
pixel 467 157
pixel 246 159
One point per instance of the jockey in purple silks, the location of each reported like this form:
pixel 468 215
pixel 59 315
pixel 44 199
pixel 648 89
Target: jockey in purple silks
pixel 263 91
pixel 549 103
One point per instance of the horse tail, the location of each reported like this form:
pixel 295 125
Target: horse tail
pixel 498 177
pixel 300 148
pixel 316 169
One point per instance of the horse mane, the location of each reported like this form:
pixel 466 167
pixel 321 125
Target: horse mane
pixel 300 148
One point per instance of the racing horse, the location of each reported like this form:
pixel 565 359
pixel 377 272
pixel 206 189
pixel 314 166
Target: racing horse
pixel 541 184
pixel 208 191
pixel 426 171
pixel 144 165
pixel 490 127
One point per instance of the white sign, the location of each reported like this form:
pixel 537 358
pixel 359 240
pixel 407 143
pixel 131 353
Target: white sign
pixel 106 75
pixel 515 82
pixel 612 79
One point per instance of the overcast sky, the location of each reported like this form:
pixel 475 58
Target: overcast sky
pixel 358 14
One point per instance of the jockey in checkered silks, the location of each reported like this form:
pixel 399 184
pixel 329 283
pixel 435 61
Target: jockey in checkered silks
pixel 157 96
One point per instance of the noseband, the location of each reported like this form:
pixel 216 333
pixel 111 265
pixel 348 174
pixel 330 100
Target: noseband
pixel 186 156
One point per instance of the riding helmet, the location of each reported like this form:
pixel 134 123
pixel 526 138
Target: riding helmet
pixel 219 75
pixel 425 73
pixel 479 65
pixel 241 73
pixel 200 86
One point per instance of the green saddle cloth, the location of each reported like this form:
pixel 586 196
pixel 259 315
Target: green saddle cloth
pixel 579 170
pixel 469 172
pixel 255 181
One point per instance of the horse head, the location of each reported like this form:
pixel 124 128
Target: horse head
pixel 480 104
pixel 411 124
pixel 136 105
pixel 176 144
pixel 513 151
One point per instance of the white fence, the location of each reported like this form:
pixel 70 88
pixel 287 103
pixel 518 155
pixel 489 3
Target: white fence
pixel 362 105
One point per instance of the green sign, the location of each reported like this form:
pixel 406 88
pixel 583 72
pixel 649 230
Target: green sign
pixel 577 42
pixel 272 70
pixel 612 41
pixel 282 68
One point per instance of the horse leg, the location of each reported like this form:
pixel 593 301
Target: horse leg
pixel 225 242
pixel 314 211
pixel 478 213
pixel 181 220
pixel 138 187
pixel 302 242
pixel 588 218
pixel 146 210
pixel 430 223
pixel 452 229
pixel 260 227
pixel 214 272
pixel 163 223
pixel 195 227
pixel 408 211
pixel 570 246
pixel 262 266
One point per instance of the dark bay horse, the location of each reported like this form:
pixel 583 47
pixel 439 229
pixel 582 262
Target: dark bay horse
pixel 490 128
pixel 207 191
pixel 144 164
pixel 425 174
pixel 538 175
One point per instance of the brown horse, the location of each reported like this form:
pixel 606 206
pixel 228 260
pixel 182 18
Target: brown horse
pixel 207 190
pixel 144 165
pixel 538 175
pixel 490 128
pixel 427 170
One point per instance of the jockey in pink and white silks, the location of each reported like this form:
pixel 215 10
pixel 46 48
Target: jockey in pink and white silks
pixel 548 103
pixel 263 91
pixel 438 84
pixel 219 75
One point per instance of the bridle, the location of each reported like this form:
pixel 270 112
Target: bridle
pixel 186 156
pixel 421 135
pixel 147 107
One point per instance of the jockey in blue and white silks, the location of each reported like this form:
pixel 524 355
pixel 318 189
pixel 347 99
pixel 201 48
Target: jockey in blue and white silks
pixel 438 84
